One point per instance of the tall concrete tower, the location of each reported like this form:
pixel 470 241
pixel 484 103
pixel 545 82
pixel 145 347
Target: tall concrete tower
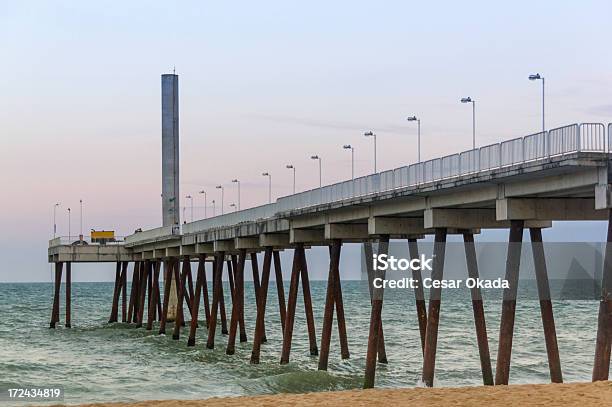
pixel 170 150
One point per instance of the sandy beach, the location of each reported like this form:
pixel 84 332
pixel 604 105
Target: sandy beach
pixel 574 394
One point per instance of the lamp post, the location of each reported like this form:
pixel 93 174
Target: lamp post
pixel 267 174
pixel 233 205
pixel 237 182
pixel 316 157
pixel 69 225
pixel 291 167
pixel 54 219
pixel 536 77
pixel 191 199
pixel 222 189
pixel 416 119
pixel 80 219
pixel 214 208
pixel 371 134
pixel 473 102
pixel 349 147
pixel 204 192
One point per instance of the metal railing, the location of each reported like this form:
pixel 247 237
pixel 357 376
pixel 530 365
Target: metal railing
pixel 86 240
pixel 590 137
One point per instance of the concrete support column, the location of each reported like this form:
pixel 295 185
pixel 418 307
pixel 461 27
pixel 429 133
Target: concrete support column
pixel 601 365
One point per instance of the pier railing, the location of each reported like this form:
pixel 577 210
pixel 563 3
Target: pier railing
pixel 584 137
pixel 86 240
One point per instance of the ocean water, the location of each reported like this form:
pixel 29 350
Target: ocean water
pixel 97 361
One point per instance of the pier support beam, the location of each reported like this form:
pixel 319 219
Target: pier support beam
pixel 419 293
pixel 257 285
pixel 237 303
pixel 546 310
pixel 374 336
pixel 144 278
pixel 506 329
pixel 217 293
pixel 68 322
pixel 382 351
pixel 168 277
pixel 299 268
pixel 154 296
pixel 179 279
pixel 601 365
pixel 195 306
pixel 116 291
pixel 333 298
pixel 261 306
pixel 124 269
pixel 280 290
pixel 433 316
pixel 56 295
pixel 478 309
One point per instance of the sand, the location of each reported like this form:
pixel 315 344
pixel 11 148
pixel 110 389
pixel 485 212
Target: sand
pixel 574 394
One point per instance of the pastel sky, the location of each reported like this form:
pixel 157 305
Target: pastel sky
pixel 264 84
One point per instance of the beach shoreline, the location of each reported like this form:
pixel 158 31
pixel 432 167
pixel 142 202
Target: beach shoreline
pixel 569 394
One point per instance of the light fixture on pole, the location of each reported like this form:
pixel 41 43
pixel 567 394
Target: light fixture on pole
pixel 267 174
pixel 237 181
pixel 233 205
pixel 214 208
pixel 222 189
pixel 349 147
pixel 536 77
pixel 416 119
pixel 69 229
pixel 371 134
pixel 80 219
pixel 204 192
pixel 316 157
pixel 54 219
pixel 191 199
pixel 291 167
pixel 473 102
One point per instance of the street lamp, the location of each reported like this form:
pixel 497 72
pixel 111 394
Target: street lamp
pixel 238 182
pixel 222 189
pixel 214 208
pixel 81 219
pixel 291 167
pixel 69 225
pixel 316 157
pixel 190 198
pixel 473 102
pixel 233 205
pixel 54 217
pixel 349 147
pixel 370 134
pixel 204 192
pixel 267 174
pixel 536 77
pixel 416 119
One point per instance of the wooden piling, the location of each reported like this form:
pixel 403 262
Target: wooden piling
pixel 68 322
pixel 333 297
pixel 168 265
pixel 280 290
pixel 205 289
pixel 312 335
pixel 196 302
pixel 478 309
pixel 115 304
pixel 237 302
pixel 180 280
pixel 603 343
pixel 546 310
pixel 375 332
pixel 124 268
pixel 217 272
pixel 261 306
pixel 433 317
pixel 56 294
pixel 241 325
pixel 506 329
pixel 154 296
pixel 291 305
pixel 381 352
pixel 419 293
pixel 256 284
pixel 133 305
pixel 144 277
pixel 186 278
